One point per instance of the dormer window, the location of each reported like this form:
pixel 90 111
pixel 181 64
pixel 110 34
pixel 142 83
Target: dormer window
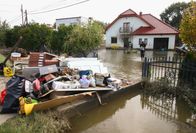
pixel 126 26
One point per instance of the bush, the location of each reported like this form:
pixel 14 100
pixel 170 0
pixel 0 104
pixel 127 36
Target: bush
pixel 115 46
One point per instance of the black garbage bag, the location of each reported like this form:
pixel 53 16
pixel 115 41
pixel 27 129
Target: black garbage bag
pixel 15 89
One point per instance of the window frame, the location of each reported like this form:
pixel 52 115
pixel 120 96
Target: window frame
pixel 146 40
pixel 114 41
pixel 140 40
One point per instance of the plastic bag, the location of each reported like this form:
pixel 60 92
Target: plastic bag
pixel 28 86
pixel 85 72
pixel 36 85
pixel 2 97
pixel 84 82
pixel 14 89
pixel 92 81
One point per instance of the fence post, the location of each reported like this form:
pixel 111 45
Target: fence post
pixel 144 68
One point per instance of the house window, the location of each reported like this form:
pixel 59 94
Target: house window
pixel 113 39
pixel 146 40
pixel 126 26
pixel 140 40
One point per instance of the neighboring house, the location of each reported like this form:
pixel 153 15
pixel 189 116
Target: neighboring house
pixel 131 27
pixel 71 21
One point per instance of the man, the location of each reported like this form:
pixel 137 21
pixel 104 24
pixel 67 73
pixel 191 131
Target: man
pixel 130 47
pixel 142 49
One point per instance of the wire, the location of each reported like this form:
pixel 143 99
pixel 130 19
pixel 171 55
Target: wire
pixel 61 7
pixel 6 11
pixel 15 5
pixel 47 6
pixel 14 19
pixel 32 13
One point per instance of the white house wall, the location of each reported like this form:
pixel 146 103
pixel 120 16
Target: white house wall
pixel 113 31
pixel 84 20
pixel 150 42
pixel 69 21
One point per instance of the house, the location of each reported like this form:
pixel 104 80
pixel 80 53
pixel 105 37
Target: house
pixel 129 27
pixel 71 21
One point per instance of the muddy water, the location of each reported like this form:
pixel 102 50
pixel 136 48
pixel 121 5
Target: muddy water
pixel 122 65
pixel 134 112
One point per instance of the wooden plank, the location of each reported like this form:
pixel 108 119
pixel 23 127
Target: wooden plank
pixel 45 94
pixel 59 101
pixel 86 89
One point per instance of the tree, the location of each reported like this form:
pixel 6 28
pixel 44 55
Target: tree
pixel 173 14
pixel 34 35
pixel 102 24
pixel 3 28
pixel 188 26
pixel 12 35
pixel 84 39
pixel 59 37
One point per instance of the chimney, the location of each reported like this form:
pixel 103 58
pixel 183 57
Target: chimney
pixel 140 13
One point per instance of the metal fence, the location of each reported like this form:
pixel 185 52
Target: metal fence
pixel 175 70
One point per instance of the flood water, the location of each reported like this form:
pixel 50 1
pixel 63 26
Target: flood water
pixel 134 112
pixel 121 65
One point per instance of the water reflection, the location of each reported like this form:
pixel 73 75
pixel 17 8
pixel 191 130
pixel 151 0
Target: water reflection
pixel 168 108
pixel 102 113
pixel 138 113
pixel 162 107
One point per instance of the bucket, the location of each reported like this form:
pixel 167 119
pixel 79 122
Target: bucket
pixel 8 72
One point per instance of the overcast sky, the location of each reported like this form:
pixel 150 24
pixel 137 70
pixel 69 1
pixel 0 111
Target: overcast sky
pixel 103 10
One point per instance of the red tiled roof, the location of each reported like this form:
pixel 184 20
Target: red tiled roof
pixel 159 27
pixel 156 26
pixel 142 30
pixel 128 12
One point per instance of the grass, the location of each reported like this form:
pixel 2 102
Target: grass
pixel 2 58
pixel 41 122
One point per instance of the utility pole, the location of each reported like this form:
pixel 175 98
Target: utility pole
pixel 22 14
pixel 26 18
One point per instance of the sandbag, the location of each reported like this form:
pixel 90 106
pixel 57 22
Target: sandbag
pixel 14 89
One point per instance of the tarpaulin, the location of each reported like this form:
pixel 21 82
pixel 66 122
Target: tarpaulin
pixel 14 89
